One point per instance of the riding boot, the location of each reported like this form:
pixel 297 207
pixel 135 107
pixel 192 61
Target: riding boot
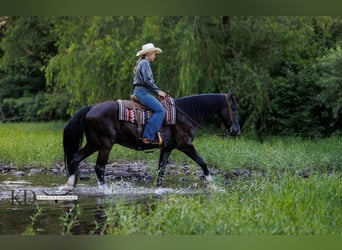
pixel 158 142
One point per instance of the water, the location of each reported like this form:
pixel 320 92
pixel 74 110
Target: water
pixel 19 201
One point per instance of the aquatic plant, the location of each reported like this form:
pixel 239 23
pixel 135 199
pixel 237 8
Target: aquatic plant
pixel 70 219
pixel 30 229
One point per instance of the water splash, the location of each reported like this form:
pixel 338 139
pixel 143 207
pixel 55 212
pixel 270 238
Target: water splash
pixel 117 188
pixel 128 188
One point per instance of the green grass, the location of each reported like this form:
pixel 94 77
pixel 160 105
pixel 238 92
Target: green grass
pixel 35 144
pixel 273 154
pixel 286 206
pixel 40 144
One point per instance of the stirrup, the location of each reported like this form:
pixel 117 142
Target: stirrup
pixel 160 139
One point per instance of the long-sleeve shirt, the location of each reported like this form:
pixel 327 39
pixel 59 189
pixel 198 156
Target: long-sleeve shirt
pixel 144 77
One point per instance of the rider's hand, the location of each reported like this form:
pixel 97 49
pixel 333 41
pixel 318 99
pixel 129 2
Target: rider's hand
pixel 162 94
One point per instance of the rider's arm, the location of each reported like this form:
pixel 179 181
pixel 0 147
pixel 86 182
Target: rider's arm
pixel 147 77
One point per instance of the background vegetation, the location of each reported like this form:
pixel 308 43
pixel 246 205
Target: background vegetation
pixel 286 71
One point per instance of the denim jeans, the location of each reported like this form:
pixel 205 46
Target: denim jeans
pixel 148 100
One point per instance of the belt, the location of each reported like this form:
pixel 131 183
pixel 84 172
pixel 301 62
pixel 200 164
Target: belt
pixel 139 85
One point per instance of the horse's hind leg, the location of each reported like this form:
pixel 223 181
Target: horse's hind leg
pixel 72 167
pixel 101 162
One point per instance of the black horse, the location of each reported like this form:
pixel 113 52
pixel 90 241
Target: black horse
pixel 103 129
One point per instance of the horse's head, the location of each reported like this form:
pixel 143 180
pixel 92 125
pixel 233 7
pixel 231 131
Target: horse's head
pixel 233 129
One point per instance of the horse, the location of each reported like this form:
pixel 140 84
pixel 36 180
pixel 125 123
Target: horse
pixel 103 129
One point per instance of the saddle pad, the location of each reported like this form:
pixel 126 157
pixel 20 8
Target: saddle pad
pixel 128 111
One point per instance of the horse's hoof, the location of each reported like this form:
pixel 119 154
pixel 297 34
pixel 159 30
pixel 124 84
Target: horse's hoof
pixel 105 189
pixel 212 187
pixel 161 191
pixel 211 184
pixel 66 188
pixel 208 178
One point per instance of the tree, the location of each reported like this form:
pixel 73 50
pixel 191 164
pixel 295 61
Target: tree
pixel 95 59
pixel 27 46
pixel 331 93
pixel 284 70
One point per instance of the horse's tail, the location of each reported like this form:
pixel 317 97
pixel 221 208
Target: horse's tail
pixel 73 134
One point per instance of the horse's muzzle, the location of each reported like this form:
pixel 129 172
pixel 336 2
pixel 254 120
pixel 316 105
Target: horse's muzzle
pixel 234 132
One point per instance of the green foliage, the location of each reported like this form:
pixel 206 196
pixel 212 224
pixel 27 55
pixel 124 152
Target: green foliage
pixel 273 68
pixel 252 95
pixel 187 56
pixel 54 106
pixel 95 63
pixel 302 113
pixel 27 46
pixel 331 84
pixel 23 108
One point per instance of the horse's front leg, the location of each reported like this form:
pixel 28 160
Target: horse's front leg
pixel 190 151
pixel 163 159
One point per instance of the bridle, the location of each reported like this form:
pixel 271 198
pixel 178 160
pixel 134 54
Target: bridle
pixel 230 112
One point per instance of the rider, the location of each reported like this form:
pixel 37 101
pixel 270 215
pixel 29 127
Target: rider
pixel 146 90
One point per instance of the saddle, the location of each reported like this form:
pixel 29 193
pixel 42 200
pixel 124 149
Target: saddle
pixel 134 112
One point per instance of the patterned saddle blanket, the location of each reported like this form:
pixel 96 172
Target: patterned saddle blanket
pixel 136 113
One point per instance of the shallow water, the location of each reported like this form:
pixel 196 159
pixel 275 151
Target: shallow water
pixel 20 198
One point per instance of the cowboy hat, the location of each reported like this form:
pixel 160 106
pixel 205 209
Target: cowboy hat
pixel 148 47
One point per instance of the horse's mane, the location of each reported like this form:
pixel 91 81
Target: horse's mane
pixel 200 107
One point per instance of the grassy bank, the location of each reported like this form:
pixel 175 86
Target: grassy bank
pixel 40 144
pixel 273 154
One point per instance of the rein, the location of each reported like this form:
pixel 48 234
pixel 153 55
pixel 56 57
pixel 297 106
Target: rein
pixel 202 127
